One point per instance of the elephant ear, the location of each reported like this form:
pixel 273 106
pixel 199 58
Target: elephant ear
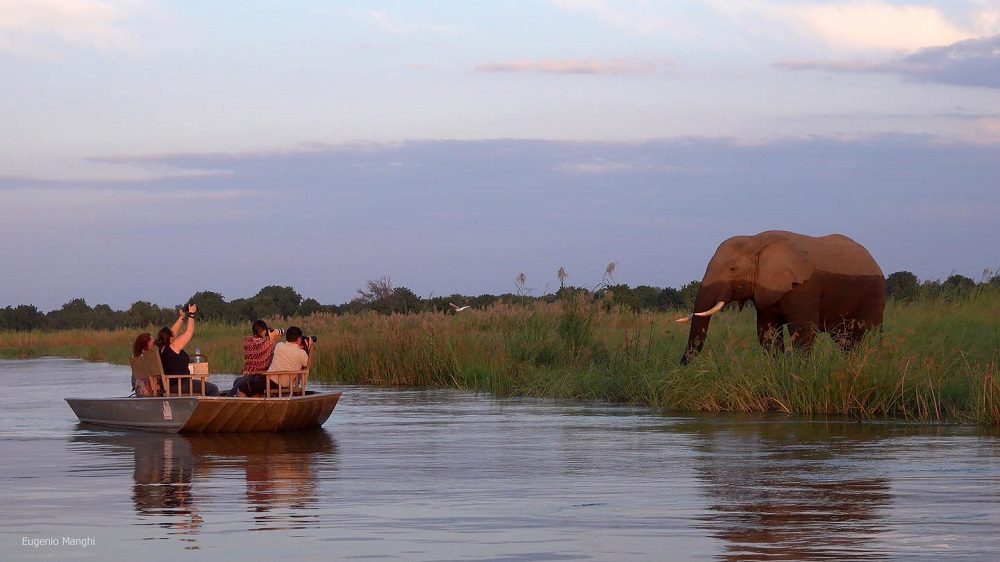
pixel 780 266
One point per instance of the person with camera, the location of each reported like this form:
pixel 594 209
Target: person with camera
pixel 258 349
pixel 293 353
pixel 175 360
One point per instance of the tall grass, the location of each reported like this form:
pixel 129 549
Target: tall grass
pixel 934 361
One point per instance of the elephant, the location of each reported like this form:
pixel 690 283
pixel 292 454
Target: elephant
pixel 809 284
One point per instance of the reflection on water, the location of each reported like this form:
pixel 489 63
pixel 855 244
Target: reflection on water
pixel 164 467
pixel 276 471
pixel 792 491
pixel 432 475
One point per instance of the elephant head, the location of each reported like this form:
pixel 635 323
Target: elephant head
pixel 760 268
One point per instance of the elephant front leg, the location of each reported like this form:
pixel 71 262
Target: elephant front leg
pixel 802 336
pixel 770 333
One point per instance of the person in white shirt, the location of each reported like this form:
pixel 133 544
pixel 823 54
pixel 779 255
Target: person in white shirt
pixel 291 355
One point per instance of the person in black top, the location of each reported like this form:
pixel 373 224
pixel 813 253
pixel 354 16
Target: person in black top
pixel 175 360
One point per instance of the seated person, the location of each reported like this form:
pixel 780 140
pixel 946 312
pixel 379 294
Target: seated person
pixel 142 387
pixel 292 354
pixel 175 360
pixel 257 352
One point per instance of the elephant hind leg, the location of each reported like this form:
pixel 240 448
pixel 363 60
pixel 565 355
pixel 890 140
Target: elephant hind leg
pixel 849 334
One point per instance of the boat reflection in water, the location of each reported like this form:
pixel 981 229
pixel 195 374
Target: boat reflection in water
pixel 178 475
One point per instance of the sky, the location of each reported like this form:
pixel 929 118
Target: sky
pixel 152 149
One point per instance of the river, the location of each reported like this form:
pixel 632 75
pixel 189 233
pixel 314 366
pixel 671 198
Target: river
pixel 448 475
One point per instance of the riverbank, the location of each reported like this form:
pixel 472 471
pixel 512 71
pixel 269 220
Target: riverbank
pixel 936 360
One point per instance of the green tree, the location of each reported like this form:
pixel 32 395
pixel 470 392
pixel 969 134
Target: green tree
pixel 309 307
pixel 263 306
pixel 957 287
pixel 376 296
pixel 688 293
pixel 930 289
pixel 902 286
pixel 621 295
pixel 240 311
pixel 142 314
pixel 24 317
pixel 654 298
pixel 211 305
pixel 284 301
pixel 103 317
pixel 671 299
pixel 74 314
pixel 405 301
pixel 993 279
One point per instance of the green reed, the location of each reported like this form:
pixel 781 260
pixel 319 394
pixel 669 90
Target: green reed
pixel 934 361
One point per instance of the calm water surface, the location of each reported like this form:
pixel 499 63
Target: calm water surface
pixel 441 475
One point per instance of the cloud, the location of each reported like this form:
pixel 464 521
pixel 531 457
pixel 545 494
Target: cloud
pixel 973 62
pixel 391 24
pixel 988 128
pixel 837 25
pixel 863 25
pixel 639 18
pixel 871 25
pixel 589 66
pixel 602 166
pixel 658 208
pixel 28 26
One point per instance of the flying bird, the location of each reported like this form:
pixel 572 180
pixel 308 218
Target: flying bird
pixel 458 308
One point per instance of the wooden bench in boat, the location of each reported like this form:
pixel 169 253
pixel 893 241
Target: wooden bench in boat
pixel 287 383
pixel 149 367
pixel 139 373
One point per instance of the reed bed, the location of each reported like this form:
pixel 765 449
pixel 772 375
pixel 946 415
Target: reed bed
pixel 935 361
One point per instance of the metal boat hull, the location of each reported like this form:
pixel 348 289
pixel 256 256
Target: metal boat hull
pixel 208 414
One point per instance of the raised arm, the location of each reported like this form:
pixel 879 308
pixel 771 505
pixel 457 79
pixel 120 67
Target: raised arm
pixel 181 340
pixel 180 320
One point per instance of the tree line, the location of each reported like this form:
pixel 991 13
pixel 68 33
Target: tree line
pixel 379 296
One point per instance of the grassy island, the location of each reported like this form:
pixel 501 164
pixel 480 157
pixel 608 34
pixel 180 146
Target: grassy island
pixel 935 361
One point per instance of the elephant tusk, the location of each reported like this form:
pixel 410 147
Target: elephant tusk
pixel 684 319
pixel 712 310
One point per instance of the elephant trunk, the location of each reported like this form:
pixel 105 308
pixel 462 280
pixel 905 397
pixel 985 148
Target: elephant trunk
pixel 708 301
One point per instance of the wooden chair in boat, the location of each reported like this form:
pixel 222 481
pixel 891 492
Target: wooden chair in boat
pixel 140 372
pixel 288 383
pixel 154 368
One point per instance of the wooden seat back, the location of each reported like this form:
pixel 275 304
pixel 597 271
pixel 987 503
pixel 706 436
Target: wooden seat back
pixel 289 383
pixel 138 369
pixel 141 370
pixel 154 369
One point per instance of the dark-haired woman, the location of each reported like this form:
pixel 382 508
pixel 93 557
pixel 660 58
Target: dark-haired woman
pixel 258 350
pixel 175 360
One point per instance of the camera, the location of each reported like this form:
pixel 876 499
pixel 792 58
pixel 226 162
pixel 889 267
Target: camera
pixel 304 338
pixel 279 331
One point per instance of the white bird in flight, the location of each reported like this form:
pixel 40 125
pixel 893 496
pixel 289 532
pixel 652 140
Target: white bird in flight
pixel 458 308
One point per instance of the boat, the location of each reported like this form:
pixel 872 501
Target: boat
pixel 209 414
pixel 286 406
